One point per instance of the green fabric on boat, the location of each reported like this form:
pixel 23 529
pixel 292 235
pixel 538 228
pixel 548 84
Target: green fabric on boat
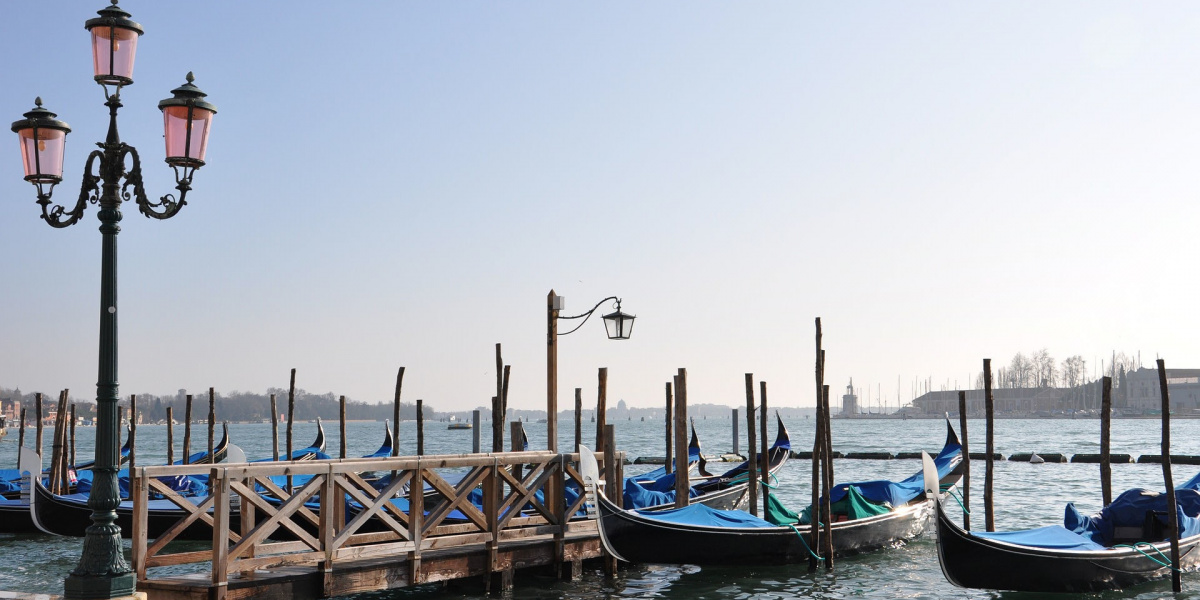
pixel 853 506
pixel 777 513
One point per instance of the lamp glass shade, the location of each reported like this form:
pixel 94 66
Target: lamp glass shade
pixel 113 51
pixel 42 152
pixel 619 325
pixel 186 132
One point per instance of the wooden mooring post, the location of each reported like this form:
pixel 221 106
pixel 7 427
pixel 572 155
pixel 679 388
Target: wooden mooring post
pixel 187 429
pixel 342 424
pixel 966 458
pixel 1168 478
pixel 578 419
pixel 291 421
pixel 39 426
pixel 736 448
pixel 601 404
pixel 170 436
pixel 212 423
pixel 752 450
pixel 72 462
pixel 133 423
pixel 764 453
pixel 1105 442
pixel 21 432
pixel 497 425
pixel 814 533
pixel 396 413
pixel 989 407
pixel 827 483
pixel 681 440
pixel 274 428
pixel 475 425
pixel 614 480
pixel 668 459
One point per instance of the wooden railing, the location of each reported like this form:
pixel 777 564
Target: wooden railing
pixel 256 523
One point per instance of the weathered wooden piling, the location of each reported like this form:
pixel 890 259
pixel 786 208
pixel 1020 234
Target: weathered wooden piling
pixel 764 454
pixel 966 460
pixel 21 432
pixel 342 424
pixel 578 419
pixel 670 439
pixel 613 485
pixel 274 429
pixel 212 423
pixel 752 449
pixel 814 507
pixel 291 420
pixel 133 423
pixel 171 436
pixel 396 415
pixel 681 440
pixel 1105 443
pixel 56 447
pixel 187 429
pixel 497 425
pixel 737 442
pixel 1168 479
pixel 37 413
pixel 989 407
pixel 601 404
pixel 475 425
pixel 516 432
pixel 827 484
pixel 72 462
pixel 552 302
pixel 420 427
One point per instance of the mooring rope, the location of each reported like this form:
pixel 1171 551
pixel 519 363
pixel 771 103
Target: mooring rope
pixel 1165 562
pixel 801 536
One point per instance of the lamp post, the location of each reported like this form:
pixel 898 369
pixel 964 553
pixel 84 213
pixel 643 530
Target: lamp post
pixel 618 326
pixel 103 571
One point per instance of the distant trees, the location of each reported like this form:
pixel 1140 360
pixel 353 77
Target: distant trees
pixel 1040 370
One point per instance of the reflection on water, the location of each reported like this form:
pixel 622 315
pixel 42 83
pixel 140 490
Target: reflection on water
pixel 1025 496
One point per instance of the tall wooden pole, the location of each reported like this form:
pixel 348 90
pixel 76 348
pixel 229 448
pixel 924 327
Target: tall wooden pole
pixel 187 429
pixel 1105 443
pixel 274 429
pixel 170 436
pixel 966 458
pixel 342 424
pixel 682 485
pixel 72 462
pixel 989 516
pixel 476 424
pixel 497 425
pixel 601 404
pixel 818 445
pixel 212 423
pixel 37 413
pixel 764 453
pixel 396 413
pixel 291 418
pixel 667 459
pixel 504 390
pixel 552 374
pixel 752 450
pixel 133 423
pixel 827 484
pixel 21 431
pixel 420 427
pixel 56 447
pixel 1168 479
pixel 578 419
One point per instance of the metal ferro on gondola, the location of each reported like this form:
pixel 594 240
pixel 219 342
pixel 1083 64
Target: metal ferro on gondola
pixel 107 181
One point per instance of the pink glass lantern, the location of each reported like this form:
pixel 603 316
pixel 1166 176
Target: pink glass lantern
pixel 114 44
pixel 187 119
pixel 43 140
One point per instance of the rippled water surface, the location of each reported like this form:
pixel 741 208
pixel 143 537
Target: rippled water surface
pixel 1025 496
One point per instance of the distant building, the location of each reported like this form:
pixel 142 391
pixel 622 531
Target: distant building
pixel 1143 390
pixel 849 401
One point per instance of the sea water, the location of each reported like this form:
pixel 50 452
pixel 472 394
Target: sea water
pixel 1026 495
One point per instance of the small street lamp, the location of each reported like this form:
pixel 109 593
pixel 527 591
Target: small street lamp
pixel 187 118
pixel 617 324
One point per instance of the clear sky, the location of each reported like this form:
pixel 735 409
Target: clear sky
pixel 401 183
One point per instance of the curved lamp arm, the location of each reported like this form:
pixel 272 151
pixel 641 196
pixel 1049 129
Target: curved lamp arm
pixel 585 316
pixel 88 192
pixel 167 206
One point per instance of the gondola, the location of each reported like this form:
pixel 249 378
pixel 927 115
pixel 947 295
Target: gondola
pixel 700 535
pixel 125 453
pixel 727 491
pixel 1121 546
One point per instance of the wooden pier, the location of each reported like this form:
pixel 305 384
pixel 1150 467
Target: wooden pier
pixel 281 546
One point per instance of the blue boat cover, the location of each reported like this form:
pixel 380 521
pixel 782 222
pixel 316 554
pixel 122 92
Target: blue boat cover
pixel 699 514
pixel 654 480
pixel 1130 510
pixel 1053 537
pixel 899 493
pixel 636 496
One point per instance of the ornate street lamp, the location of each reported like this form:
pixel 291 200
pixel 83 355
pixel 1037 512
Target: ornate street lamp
pixel 103 571
pixel 619 325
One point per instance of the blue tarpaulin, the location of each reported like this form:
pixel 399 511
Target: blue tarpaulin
pixel 1052 537
pixel 899 493
pixel 699 514
pixel 636 496
pixel 1130 510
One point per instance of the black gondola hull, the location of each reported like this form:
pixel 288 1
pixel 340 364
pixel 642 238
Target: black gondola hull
pixel 16 518
pixel 636 538
pixel 972 562
pixel 67 517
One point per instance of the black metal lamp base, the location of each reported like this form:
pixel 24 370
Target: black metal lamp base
pixel 86 587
